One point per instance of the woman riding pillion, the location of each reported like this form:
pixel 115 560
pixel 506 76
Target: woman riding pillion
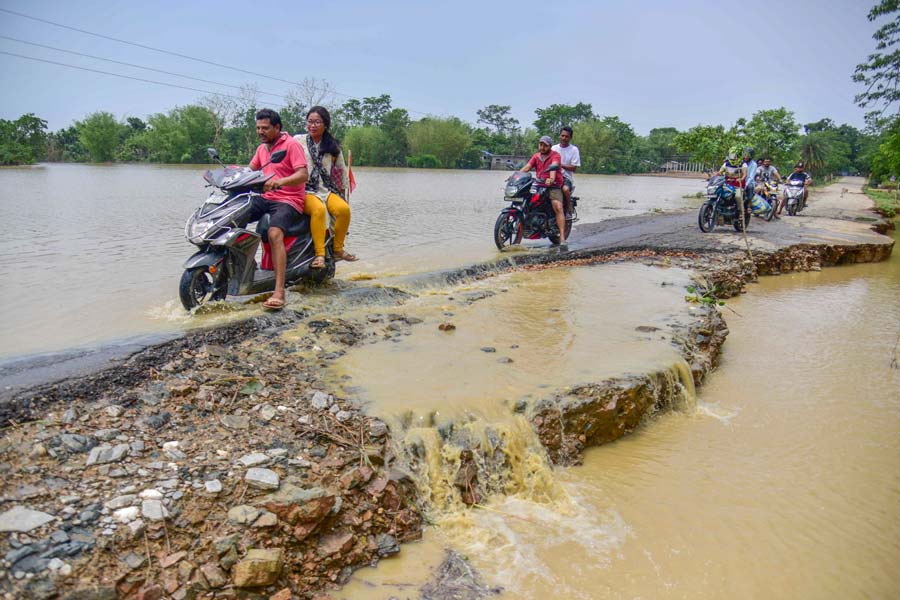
pixel 327 185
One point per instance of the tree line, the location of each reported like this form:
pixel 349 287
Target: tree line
pixel 381 135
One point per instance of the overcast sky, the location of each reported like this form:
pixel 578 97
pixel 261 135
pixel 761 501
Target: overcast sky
pixel 652 63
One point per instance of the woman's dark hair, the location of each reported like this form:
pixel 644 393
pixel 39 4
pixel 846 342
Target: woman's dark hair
pixel 273 117
pixel 328 145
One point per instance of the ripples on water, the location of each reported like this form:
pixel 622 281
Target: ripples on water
pixel 94 252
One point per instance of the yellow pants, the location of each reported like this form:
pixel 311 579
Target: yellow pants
pixel 339 209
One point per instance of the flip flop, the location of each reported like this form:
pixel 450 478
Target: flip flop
pixel 344 255
pixel 317 263
pixel 273 304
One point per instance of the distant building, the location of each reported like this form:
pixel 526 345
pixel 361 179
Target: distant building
pixel 503 162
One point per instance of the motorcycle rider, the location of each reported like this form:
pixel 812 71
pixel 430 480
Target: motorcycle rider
pixel 799 177
pixel 571 160
pixel 732 170
pixel 541 162
pixel 283 195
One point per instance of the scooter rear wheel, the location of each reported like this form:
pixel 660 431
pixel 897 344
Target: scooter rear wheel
pixel 198 286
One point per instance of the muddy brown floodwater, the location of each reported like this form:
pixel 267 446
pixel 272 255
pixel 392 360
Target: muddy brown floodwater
pixel 782 479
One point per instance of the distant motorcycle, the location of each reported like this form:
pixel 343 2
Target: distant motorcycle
pixel 226 262
pixel 772 197
pixel 794 193
pixel 530 214
pixel 721 206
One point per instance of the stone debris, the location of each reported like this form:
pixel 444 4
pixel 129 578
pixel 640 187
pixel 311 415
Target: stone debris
pixel 106 454
pixel 260 567
pixel 264 479
pixel 23 519
pixel 193 485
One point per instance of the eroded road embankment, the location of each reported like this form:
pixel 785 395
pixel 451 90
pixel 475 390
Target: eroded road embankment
pixel 223 460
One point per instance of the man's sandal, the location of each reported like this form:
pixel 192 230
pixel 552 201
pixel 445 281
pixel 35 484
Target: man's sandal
pixel 317 263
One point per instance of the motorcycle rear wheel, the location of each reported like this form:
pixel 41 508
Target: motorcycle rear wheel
pixel 198 286
pixel 554 238
pixel 706 218
pixel 507 230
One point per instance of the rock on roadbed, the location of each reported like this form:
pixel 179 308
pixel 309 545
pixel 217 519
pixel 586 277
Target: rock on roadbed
pixel 97 504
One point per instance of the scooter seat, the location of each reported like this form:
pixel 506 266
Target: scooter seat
pixel 299 228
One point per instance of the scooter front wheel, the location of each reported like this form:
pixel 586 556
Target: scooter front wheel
pixel 199 286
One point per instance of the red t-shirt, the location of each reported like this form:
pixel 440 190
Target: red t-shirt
pixel 293 160
pixel 541 164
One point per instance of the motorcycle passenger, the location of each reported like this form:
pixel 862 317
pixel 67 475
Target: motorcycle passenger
pixel 799 177
pixel 751 186
pixel 283 194
pixel 767 173
pixel 541 162
pixel 325 188
pixel 571 160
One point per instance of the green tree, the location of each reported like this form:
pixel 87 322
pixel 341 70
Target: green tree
pixel 23 141
pixel 772 133
pixel 394 124
pixel 370 146
pixel 881 71
pixel 608 145
pixel 368 112
pixel 446 138
pixel 65 146
pixel 181 136
pixel 99 133
pixel 707 144
pixel 498 117
pixel 554 117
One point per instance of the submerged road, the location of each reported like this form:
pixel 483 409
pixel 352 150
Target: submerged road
pixel 838 215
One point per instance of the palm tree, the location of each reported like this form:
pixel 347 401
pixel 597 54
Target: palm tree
pixel 814 150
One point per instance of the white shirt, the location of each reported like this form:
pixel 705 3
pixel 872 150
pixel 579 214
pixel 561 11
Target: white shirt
pixel 570 156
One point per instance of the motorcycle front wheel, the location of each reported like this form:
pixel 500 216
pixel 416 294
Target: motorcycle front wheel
pixel 199 286
pixel 792 208
pixel 507 230
pixel 707 217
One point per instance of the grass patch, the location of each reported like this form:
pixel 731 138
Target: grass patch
pixel 886 203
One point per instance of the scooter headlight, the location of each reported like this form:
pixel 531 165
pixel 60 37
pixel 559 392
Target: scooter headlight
pixel 196 230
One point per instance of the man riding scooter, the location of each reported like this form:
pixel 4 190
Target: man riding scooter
pixel 283 195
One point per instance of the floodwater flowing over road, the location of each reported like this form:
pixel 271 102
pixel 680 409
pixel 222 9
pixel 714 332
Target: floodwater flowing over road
pixel 98 254
pixel 782 481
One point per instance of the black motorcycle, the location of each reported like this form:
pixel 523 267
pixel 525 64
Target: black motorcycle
pixel 226 262
pixel 530 214
pixel 721 206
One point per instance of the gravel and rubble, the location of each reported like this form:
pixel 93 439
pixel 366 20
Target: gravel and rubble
pixel 228 472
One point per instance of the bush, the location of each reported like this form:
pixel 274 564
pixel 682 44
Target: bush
pixel 423 161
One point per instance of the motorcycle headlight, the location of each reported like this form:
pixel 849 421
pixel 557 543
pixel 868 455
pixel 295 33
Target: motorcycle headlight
pixel 196 230
pixel 511 191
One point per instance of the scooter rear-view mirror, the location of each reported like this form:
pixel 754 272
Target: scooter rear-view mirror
pixel 278 156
